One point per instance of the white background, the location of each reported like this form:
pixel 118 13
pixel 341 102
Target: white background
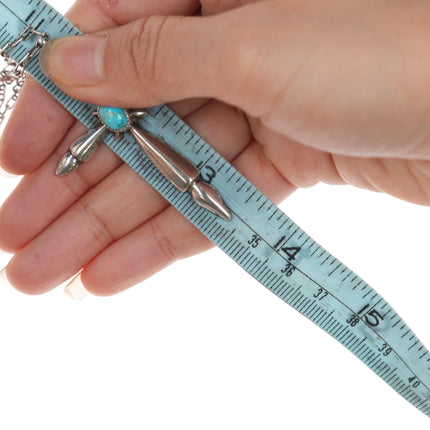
pixel 204 346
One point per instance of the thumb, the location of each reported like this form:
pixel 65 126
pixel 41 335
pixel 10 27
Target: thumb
pixel 150 61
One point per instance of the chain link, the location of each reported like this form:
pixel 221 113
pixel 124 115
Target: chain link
pixel 13 74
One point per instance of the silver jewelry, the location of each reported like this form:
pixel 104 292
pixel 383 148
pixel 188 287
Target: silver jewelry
pixel 13 74
pixel 180 171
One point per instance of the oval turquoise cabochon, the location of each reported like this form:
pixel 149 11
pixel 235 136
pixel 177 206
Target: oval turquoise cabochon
pixel 113 118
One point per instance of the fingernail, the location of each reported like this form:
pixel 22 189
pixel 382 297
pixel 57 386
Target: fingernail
pixel 76 290
pixel 4 281
pixel 74 60
pixel 6 174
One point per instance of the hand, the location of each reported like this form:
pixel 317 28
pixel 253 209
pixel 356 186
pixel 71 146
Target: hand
pixel 293 92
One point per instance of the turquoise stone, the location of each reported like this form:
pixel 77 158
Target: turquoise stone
pixel 113 118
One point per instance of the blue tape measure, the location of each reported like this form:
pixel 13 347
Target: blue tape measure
pixel 259 237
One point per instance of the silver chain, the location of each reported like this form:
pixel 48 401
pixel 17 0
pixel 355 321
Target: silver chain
pixel 12 77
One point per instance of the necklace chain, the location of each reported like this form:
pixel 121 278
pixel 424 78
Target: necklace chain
pixel 13 74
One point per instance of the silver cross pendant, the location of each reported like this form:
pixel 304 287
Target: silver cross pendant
pixel 180 171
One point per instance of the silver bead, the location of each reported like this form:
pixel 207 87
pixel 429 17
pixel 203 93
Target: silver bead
pixel 181 173
pixel 81 150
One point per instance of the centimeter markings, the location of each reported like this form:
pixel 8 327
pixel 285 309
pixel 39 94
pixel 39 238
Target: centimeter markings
pixel 260 237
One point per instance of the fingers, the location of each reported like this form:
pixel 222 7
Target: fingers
pixel 39 122
pixel 307 69
pixel 405 179
pixel 302 165
pixel 152 60
pixel 36 126
pixel 108 211
pixel 169 237
pixel 152 247
pixel 41 197
pixel 305 166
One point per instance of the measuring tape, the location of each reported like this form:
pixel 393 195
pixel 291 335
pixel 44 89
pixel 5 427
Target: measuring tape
pixel 259 237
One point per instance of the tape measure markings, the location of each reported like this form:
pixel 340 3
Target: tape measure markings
pixel 260 238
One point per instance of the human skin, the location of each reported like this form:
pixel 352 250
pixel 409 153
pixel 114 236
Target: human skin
pixel 292 92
